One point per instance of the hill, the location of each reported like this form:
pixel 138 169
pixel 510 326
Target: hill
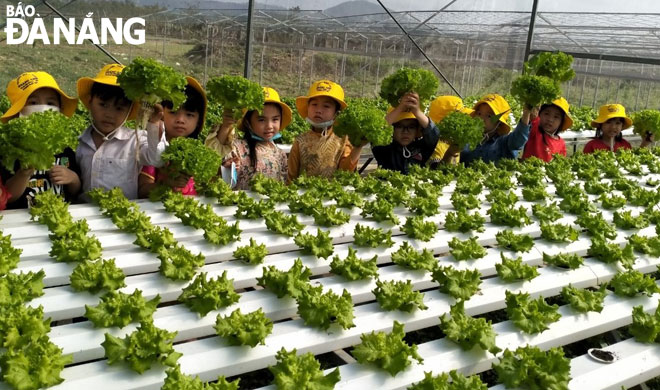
pixel 354 7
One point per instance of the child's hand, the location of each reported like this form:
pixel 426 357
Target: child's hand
pixel 157 114
pixel 228 120
pixel 179 181
pixel 231 158
pixel 453 150
pixel 25 173
pixel 61 175
pixel 533 113
pixel 410 102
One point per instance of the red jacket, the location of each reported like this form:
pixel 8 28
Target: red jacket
pixel 598 144
pixel 543 145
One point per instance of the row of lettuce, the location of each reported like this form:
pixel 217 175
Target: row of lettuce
pixel 30 360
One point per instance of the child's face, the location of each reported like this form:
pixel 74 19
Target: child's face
pixel 321 109
pixel 405 131
pixel 267 124
pixel 44 96
pixel 612 127
pixel 180 123
pixel 550 119
pixel 109 114
pixel 485 113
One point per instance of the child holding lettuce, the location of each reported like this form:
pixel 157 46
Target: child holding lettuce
pixel 414 139
pixel 498 141
pixel 109 153
pixel 256 152
pixel 187 121
pixel 29 93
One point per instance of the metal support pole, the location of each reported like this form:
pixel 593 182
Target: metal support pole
pixel 481 69
pixel 600 69
pixel 343 60
pixel 222 45
pixel 212 46
pixel 584 81
pixel 530 31
pixel 164 39
pixel 261 62
pixel 364 67
pixel 377 81
pixel 469 75
pixel 639 89
pixel 206 52
pixel 247 71
pixel 300 60
pixel 467 50
pixel 311 67
pixel 458 49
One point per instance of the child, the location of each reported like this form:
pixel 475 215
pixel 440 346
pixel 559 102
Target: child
pixel 611 121
pixel 320 152
pixel 110 154
pixel 414 139
pixel 498 141
pixel 187 121
pixel 544 140
pixel 37 92
pixel 439 109
pixel 256 152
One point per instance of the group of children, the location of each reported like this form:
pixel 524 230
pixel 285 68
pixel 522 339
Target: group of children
pixel 109 154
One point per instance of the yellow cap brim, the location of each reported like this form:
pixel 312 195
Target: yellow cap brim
pixel 198 87
pixel 69 105
pixel 627 122
pixel 504 128
pixel 302 103
pixel 287 114
pixel 568 123
pixel 84 87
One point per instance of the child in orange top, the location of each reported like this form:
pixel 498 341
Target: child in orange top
pixel 187 121
pixel 37 92
pixel 611 121
pixel 544 140
pixel 320 152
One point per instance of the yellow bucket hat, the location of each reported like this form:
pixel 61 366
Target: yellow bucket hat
pixel 443 105
pixel 501 109
pixel 108 76
pixel 402 116
pixel 194 84
pixel 610 111
pixel 563 105
pixel 20 89
pixel 321 88
pixel 272 96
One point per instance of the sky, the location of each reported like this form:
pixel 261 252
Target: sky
pixel 641 6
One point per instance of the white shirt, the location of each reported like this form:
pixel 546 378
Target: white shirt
pixel 114 163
